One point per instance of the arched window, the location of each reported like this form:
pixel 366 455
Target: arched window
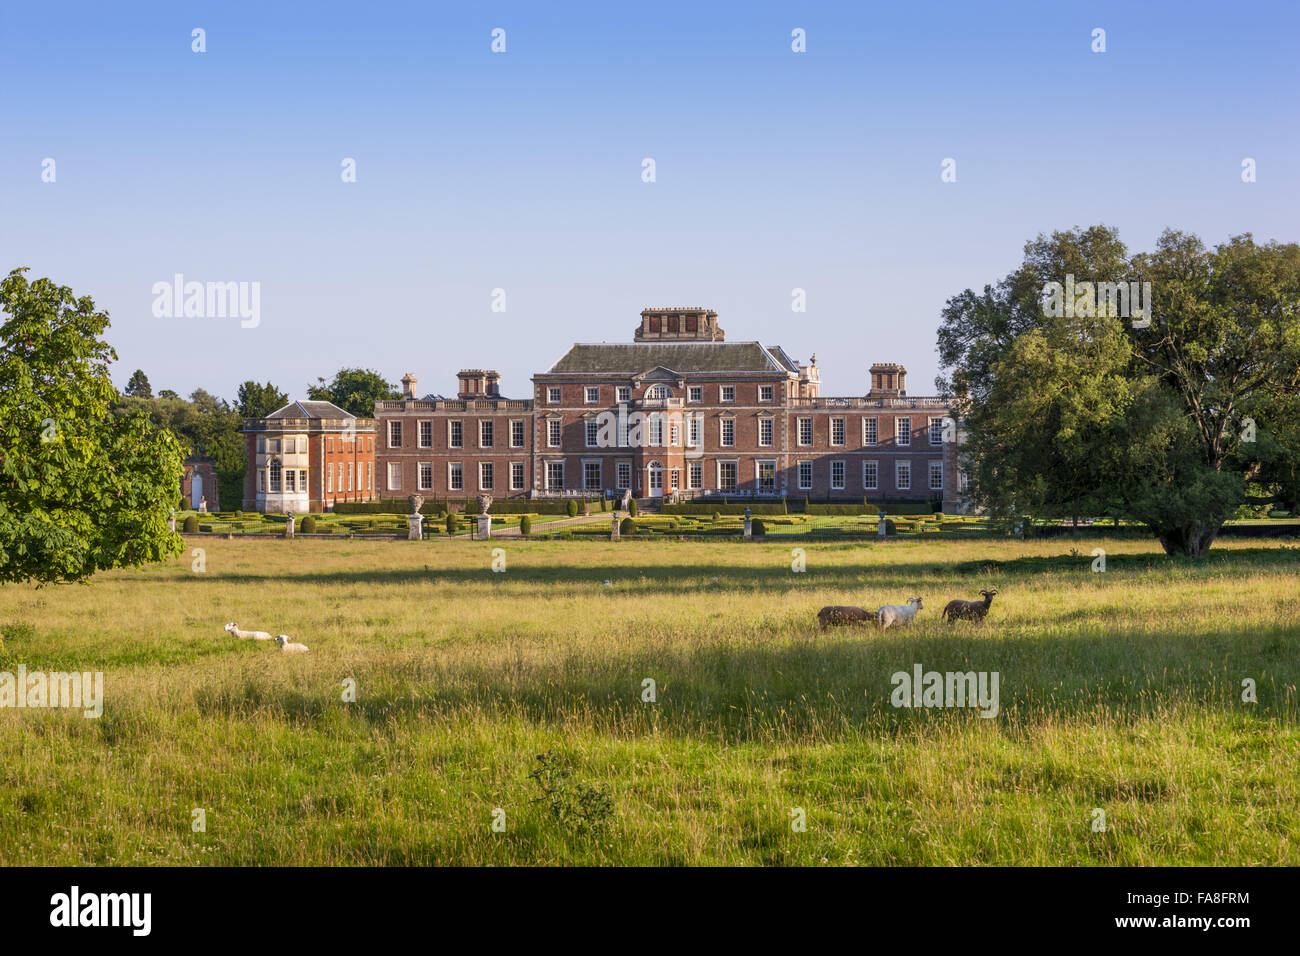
pixel 659 391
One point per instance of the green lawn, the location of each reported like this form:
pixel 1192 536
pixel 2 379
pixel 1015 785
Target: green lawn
pixel 1119 692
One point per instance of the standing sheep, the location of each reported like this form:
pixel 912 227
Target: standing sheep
pixel 902 614
pixel 969 610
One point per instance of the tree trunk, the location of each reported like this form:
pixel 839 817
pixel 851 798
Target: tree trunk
pixel 1192 542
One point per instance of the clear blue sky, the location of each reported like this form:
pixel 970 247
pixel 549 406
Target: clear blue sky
pixel 522 170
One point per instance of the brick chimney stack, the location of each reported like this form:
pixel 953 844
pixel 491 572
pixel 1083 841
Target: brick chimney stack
pixel 888 380
pixel 408 385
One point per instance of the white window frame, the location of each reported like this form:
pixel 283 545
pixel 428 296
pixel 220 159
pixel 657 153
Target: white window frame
pixel 517 430
pixel 903 433
pixel 804 485
pixel 902 468
pixel 930 474
pixel 622 475
pixel 455 476
pixel 695 394
pixel 553 395
pixel 487 468
pixel 623 394
pixel 766 393
pixel 455 433
pixel 425 430
pixel 558 486
pixel 768 424
pixel 394 423
pixel 695 430
pixel 423 468
pixel 842 423
pixel 734 465
pixel 554 432
pixel 487 433
pixel 843 468
pixel 600 474
pixel 936 426
pixel 812 433
pixel 695 475
pixel 591 394
pixel 725 441
pixel 871 435
pixel 758 476
pixel 394 476
pixel 726 394
pixel 518 475
pixel 871 483
pixel 591 432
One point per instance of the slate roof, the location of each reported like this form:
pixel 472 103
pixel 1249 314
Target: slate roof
pixel 684 357
pixel 310 410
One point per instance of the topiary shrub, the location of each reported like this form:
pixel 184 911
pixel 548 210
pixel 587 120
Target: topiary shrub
pixel 604 503
pixel 450 523
pixel 191 525
pixel 572 508
pixel 308 525
pixel 757 527
pixel 716 516
pixel 890 527
pixel 631 507
pixel 627 526
pixel 525 526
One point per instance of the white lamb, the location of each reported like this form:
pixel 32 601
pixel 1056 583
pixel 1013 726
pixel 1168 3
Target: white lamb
pixel 288 646
pixel 898 613
pixel 233 628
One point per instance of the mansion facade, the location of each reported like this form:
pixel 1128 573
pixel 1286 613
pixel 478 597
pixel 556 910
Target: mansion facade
pixel 678 413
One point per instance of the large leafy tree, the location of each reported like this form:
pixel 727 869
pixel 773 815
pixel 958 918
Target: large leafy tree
pixel 1168 424
pixel 258 401
pixel 81 489
pixel 355 390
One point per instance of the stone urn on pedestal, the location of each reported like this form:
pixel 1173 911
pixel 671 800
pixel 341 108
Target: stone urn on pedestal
pixel 881 526
pixel 484 519
pixel 415 521
pixel 288 525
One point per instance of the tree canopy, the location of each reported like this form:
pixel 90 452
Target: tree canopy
pixel 258 401
pixel 81 489
pixel 355 390
pixel 1165 418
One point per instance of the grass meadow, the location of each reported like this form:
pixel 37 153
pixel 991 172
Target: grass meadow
pixel 1119 691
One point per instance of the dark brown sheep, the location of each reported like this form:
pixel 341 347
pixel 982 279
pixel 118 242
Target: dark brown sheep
pixel 969 610
pixel 841 614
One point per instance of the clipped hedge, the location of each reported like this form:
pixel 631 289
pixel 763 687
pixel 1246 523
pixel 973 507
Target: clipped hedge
pixel 191 525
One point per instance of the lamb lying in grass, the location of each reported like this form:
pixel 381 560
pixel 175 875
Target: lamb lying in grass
pixel 969 610
pixel 902 614
pixel 234 629
pixel 288 647
pixel 837 615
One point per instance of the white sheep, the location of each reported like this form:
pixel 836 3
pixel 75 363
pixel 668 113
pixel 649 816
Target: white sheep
pixel 898 613
pixel 288 646
pixel 233 628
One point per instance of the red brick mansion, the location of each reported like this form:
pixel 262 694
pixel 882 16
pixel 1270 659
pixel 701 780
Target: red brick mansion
pixel 677 412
